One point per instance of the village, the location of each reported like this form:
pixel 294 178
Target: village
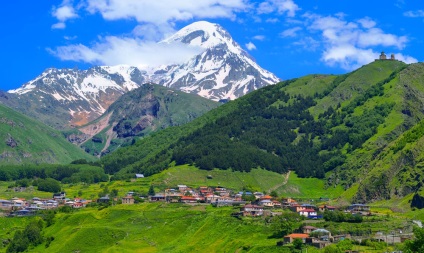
pixel 249 204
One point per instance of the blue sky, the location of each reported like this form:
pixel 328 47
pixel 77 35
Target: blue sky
pixel 290 38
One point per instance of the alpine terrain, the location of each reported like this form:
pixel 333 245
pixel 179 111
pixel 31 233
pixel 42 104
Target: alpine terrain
pixel 64 98
pixel 136 114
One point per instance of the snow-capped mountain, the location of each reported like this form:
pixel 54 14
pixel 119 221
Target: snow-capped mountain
pixel 222 70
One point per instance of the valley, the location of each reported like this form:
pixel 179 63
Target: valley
pixel 214 154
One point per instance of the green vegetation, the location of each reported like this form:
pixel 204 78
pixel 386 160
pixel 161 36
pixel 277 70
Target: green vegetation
pixel 336 127
pixel 24 140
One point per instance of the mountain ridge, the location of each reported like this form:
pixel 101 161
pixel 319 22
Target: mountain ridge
pixel 65 98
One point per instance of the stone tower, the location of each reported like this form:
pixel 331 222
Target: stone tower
pixel 392 57
pixel 383 56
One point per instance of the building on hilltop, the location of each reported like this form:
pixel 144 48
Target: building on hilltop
pixel 384 57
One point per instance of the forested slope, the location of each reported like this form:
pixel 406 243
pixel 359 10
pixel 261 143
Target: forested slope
pixel 338 127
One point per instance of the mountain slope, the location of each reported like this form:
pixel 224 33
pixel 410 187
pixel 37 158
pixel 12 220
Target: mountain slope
pixel 140 112
pixel 24 140
pixel 63 98
pixel 363 130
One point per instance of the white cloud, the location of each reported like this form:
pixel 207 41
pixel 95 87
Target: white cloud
pixel 414 14
pixel 272 20
pixel 292 32
pixel 250 46
pixel 164 11
pixel 405 58
pixel 259 37
pixel 129 51
pixel 59 25
pixel 351 44
pixel 281 6
pixel 63 13
pixel 156 20
pixel 367 23
pixel 308 43
pixel 152 32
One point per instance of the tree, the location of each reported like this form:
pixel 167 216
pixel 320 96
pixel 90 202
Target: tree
pixel 332 249
pixel 274 194
pixel 114 193
pixel 298 243
pixel 151 191
pixel 285 224
pixel 48 185
pixel 416 245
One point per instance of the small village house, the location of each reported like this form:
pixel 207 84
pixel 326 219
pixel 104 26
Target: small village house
pixel 128 200
pixel 326 208
pixel 308 229
pixel 308 213
pixel 252 210
pixel 188 199
pixel 157 197
pixel 290 238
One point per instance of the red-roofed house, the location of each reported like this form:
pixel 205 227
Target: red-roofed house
pixel 290 238
pixel 188 199
pixel 326 208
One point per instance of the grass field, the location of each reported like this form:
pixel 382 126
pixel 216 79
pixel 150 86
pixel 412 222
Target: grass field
pixel 161 227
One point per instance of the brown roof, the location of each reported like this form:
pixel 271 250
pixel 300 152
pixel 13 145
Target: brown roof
pixel 297 235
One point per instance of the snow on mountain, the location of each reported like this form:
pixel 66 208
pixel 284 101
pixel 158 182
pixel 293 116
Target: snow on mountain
pixel 222 70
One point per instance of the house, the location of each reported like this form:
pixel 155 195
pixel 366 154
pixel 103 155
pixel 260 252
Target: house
pixel 276 204
pixel 78 205
pixel 59 196
pixel 128 200
pixel 211 198
pixel 296 208
pixel 326 208
pixel 317 243
pixel 258 195
pixel 104 199
pixel 24 212
pixel 157 197
pixel 204 190
pixel 308 229
pixel 49 204
pixel 182 188
pixel 252 210
pixel 308 213
pixel 5 204
pixel 266 203
pixel 222 191
pixel 322 234
pixel 139 175
pixel 188 199
pixel 358 208
pixel 290 238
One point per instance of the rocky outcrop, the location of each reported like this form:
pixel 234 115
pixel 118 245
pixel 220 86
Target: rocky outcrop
pixel 11 142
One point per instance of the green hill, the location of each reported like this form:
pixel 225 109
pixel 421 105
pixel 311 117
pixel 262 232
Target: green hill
pixel 24 140
pixel 138 113
pixel 359 130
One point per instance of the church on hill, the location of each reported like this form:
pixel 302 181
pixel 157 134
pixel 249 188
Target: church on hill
pixel 384 57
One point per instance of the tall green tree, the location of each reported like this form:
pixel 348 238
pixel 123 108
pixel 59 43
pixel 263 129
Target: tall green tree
pixel 416 245
pixel 151 191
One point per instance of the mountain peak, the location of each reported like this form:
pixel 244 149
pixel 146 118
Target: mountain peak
pixel 203 34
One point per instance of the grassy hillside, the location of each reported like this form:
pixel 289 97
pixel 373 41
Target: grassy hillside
pixel 24 140
pixel 341 128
